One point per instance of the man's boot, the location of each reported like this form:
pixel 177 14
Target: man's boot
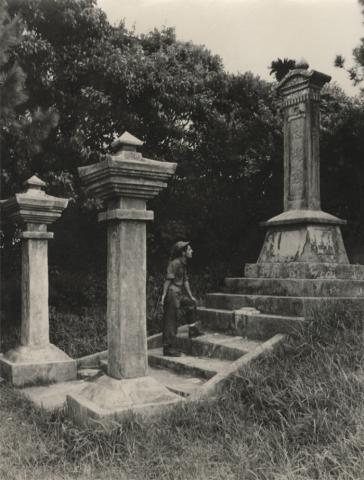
pixel 169 351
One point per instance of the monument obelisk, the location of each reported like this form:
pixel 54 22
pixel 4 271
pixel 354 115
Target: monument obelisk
pixel 303 232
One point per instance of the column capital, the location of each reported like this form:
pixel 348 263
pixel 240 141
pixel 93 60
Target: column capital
pixel 301 85
pixel 34 205
pixel 126 173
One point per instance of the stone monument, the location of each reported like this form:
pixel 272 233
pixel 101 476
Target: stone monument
pixel 303 232
pixel 35 360
pixel 303 273
pixel 124 181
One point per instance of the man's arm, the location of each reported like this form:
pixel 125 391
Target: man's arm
pixel 188 290
pixel 165 290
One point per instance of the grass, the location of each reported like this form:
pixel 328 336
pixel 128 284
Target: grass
pixel 298 414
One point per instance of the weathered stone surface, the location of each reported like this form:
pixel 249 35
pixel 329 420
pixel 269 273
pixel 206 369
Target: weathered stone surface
pixel 302 217
pixel 216 384
pixel 304 270
pixel 27 365
pixel 296 287
pixel 34 289
pixel 126 300
pixel 126 139
pixel 302 233
pixel 220 319
pixel 183 385
pixel 124 181
pixel 264 326
pixel 289 306
pixel 108 400
pixel 127 173
pixel 215 345
pixel 35 360
pixel 52 397
pixel 34 206
pixel 186 364
pixel 300 90
pixel 254 325
pixel 304 243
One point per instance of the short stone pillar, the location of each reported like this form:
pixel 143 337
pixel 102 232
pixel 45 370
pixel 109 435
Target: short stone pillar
pixel 35 360
pixel 124 181
pixel 303 232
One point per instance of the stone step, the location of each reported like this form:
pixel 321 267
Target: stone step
pixel 216 345
pixel 277 305
pixel 304 270
pixel 182 384
pixel 288 306
pixel 202 367
pixel 216 319
pixel 294 287
pixel 260 326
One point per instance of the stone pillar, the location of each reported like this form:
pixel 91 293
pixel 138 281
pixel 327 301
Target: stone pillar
pixel 126 287
pixel 124 181
pixel 301 104
pixel 303 232
pixel 35 360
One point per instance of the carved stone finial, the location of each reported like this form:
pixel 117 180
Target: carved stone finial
pixel 34 183
pixel 126 141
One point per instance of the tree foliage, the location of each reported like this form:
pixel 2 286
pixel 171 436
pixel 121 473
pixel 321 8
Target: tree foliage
pixel 23 126
pixel 279 68
pixel 356 72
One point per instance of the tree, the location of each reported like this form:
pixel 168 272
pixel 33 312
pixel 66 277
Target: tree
pixel 22 129
pixel 356 73
pixel 279 68
pixel 342 153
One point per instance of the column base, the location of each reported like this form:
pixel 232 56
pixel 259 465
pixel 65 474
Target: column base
pixel 108 400
pixel 32 365
pixel 303 236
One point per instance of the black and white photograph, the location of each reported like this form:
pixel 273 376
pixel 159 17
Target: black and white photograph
pixel 182 240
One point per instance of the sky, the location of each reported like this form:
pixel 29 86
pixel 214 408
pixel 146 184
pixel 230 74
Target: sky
pixel 249 34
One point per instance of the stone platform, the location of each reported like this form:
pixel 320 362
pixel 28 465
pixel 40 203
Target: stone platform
pixel 108 400
pixel 32 365
pixel 283 296
pixel 304 270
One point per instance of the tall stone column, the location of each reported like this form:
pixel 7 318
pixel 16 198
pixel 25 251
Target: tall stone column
pixel 124 181
pixel 35 360
pixel 303 232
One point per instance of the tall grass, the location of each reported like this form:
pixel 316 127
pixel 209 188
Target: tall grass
pixel 297 414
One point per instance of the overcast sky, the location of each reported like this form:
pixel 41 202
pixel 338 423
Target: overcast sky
pixel 249 34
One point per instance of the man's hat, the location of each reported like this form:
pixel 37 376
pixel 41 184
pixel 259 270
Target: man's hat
pixel 178 247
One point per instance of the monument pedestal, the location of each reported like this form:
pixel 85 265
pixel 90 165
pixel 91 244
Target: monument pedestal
pixel 108 400
pixel 34 365
pixel 309 236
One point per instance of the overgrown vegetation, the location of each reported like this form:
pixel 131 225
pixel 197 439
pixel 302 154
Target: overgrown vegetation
pixel 298 414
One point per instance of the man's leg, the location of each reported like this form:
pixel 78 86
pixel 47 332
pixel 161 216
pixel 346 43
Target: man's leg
pixel 170 319
pixel 190 317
